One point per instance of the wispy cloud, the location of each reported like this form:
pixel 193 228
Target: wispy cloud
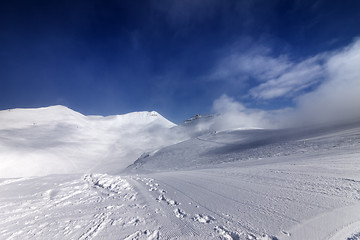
pixel 290 81
pixel 276 76
pixel 335 99
pixel 235 115
pixel 338 97
pixel 255 63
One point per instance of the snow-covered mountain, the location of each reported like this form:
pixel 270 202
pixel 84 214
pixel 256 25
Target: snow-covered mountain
pixel 191 181
pixel 54 140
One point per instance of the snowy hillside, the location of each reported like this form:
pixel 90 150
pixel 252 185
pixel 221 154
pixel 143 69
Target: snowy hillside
pixel 59 140
pixel 191 181
pixel 247 145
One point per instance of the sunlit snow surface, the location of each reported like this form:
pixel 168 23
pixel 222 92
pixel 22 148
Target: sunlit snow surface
pixel 59 140
pixel 243 184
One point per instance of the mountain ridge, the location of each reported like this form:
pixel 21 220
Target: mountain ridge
pixel 57 139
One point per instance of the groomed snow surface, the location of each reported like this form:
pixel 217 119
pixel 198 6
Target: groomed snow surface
pixel 65 176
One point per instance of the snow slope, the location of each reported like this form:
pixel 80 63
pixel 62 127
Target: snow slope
pixel 59 140
pixel 240 184
pixel 247 146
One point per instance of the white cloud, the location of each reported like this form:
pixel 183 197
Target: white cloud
pixel 236 115
pixel 277 76
pixel 254 63
pixel 292 80
pixel 336 99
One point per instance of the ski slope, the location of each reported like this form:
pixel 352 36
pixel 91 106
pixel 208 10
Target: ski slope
pixel 235 184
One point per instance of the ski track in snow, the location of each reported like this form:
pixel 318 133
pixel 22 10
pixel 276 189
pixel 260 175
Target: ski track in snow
pixel 89 207
pixel 270 201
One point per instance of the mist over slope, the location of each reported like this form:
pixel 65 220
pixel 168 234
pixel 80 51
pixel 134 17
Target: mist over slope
pixel 56 139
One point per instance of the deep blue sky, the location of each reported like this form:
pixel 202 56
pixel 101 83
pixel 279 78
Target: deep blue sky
pixel 114 57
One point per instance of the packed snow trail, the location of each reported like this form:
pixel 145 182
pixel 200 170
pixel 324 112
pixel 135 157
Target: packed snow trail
pixel 282 198
pixel 275 201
